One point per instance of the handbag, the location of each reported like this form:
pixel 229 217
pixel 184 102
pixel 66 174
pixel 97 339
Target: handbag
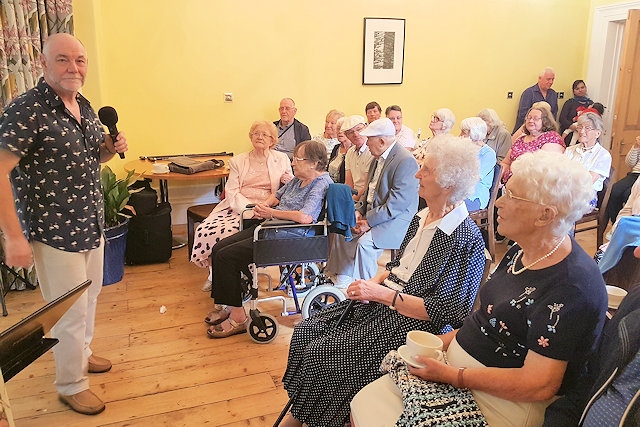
pixel 188 166
pixel 430 404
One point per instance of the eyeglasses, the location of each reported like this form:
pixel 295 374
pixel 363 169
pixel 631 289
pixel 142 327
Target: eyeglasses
pixel 534 119
pixel 299 159
pixel 580 128
pixel 510 195
pixel 435 118
pixel 261 134
pixel 286 108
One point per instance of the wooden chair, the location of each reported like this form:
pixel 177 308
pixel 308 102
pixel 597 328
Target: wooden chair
pixel 195 215
pixel 484 218
pixel 485 277
pixel 599 214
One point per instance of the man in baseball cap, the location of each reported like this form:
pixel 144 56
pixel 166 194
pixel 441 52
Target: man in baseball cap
pixel 390 201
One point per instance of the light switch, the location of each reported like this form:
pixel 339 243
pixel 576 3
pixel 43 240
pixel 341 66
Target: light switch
pixel 228 97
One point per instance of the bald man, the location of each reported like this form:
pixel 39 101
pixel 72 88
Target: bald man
pixel 540 91
pixel 51 147
pixel 291 131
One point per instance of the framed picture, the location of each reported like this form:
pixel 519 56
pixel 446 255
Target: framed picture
pixel 383 59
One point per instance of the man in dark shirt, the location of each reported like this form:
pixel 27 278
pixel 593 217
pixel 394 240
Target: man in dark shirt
pixel 52 144
pixel 540 91
pixel 291 132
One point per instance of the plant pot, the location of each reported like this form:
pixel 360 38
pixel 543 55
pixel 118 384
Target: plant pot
pixel 114 250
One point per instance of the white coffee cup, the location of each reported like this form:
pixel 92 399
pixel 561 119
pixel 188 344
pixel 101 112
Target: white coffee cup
pixel 615 295
pixel 421 343
pixel 160 168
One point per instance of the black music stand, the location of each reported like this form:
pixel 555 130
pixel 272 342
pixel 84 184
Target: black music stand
pixel 24 342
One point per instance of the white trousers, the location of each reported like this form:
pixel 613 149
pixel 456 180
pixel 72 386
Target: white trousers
pixel 357 259
pixel 58 273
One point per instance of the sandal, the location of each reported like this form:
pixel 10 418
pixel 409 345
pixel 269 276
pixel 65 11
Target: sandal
pixel 219 314
pixel 227 328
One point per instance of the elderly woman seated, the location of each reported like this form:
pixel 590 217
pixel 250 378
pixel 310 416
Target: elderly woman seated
pixel 498 137
pixel 431 285
pixel 475 129
pixel 299 200
pixel 539 319
pixel 330 135
pixel 441 123
pixel 253 177
pixel 590 153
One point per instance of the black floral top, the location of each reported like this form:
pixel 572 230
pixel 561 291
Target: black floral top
pixel 558 312
pixel 57 182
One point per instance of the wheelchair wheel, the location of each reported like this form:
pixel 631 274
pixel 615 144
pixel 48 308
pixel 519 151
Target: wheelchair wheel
pixel 320 298
pixel 263 328
pixel 305 277
pixel 246 283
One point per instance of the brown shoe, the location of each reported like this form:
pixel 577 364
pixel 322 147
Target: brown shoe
pixel 227 328
pixel 217 316
pixel 98 365
pixel 84 402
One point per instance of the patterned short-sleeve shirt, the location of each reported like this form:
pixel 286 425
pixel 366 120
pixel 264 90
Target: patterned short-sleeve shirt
pixel 57 181
pixel 557 312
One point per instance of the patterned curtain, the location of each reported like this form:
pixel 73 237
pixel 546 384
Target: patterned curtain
pixel 26 24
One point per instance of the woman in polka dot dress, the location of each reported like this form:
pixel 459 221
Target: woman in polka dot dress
pixel 430 286
pixel 253 177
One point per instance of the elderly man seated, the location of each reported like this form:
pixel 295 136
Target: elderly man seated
pixel 390 201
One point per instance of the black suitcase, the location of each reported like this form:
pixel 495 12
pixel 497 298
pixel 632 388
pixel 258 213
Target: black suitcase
pixel 145 200
pixel 149 239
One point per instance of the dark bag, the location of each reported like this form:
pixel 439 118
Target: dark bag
pixel 189 166
pixel 149 239
pixel 145 200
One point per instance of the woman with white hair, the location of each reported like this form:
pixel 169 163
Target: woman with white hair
pixel 474 129
pixel 431 286
pixel 589 152
pixel 441 123
pixel 498 137
pixel 540 315
pixel 330 135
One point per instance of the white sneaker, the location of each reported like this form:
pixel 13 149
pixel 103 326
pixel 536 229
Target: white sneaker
pixel 207 286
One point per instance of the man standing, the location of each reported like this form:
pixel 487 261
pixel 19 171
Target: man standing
pixel 540 91
pixel 390 202
pixel 291 132
pixel 52 144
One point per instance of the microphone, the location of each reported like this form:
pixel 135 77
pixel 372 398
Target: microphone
pixel 109 117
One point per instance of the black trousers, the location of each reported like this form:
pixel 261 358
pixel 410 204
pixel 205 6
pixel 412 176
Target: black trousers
pixel 620 194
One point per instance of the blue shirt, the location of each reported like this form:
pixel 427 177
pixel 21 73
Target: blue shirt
pixel 57 181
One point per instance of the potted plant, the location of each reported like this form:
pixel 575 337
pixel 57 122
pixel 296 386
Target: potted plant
pixel 116 195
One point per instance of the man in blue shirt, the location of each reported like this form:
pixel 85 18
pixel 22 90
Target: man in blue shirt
pixel 540 91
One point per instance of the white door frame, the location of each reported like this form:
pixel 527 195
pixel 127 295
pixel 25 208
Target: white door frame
pixel 604 58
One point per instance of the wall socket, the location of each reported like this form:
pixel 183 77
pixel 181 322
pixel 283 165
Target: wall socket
pixel 228 97
pixel 509 95
pixel 560 95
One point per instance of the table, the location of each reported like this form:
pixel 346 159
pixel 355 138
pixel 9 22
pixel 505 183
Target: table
pixel 144 168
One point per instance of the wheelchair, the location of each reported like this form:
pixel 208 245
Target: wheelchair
pixel 298 258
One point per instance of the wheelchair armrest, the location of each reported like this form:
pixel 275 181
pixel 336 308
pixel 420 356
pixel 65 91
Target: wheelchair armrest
pixel 284 224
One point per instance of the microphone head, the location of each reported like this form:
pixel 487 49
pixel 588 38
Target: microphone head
pixel 108 116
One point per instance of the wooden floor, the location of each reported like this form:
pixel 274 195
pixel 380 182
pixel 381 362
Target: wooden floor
pixel 165 369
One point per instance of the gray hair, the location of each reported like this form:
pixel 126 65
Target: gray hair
pixel 457 165
pixel 476 126
pixel 555 180
pixel 447 118
pixel 594 120
pixel 491 118
pixel 546 70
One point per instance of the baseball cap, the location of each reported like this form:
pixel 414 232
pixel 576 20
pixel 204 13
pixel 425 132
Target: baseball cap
pixel 352 121
pixel 380 127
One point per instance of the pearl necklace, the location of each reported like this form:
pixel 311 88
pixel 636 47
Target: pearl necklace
pixel 526 267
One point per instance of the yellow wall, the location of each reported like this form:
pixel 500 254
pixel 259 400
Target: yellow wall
pixel 164 65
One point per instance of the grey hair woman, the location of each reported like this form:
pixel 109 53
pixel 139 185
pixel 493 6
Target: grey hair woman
pixel 540 314
pixel 498 137
pixel 441 122
pixel 475 129
pixel 431 286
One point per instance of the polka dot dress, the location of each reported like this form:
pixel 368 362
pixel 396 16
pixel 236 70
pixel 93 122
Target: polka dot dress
pixel 327 366
pixel 214 228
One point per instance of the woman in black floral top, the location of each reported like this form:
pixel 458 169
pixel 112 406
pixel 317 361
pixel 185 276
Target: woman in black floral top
pixel 541 312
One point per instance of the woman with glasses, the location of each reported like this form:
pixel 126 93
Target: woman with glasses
pixel 593 156
pixel 299 200
pixel 540 316
pixel 441 123
pixel 540 133
pixel 253 178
